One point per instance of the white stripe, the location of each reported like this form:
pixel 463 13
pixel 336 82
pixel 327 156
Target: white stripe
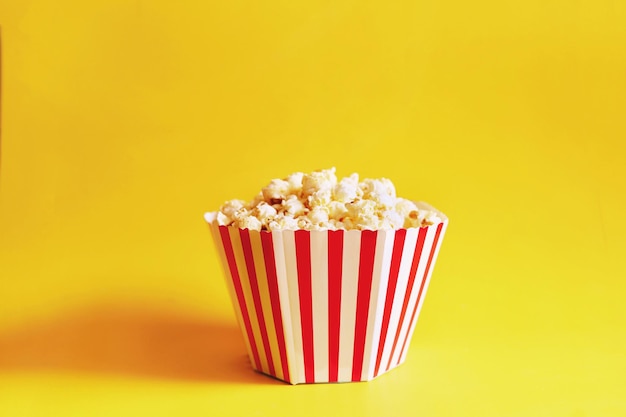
pixel 380 278
pixel 266 304
pixel 406 259
pixel 419 274
pixel 235 238
pixel 403 281
pixel 432 230
pixel 219 245
pixel 349 285
pixel 319 288
pixel 419 277
pixel 283 291
pixel 294 303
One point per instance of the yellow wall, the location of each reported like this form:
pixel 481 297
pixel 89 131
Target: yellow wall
pixel 123 121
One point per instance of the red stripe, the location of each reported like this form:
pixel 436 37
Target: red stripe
pixel 256 296
pixel 272 283
pixel 234 273
pixel 335 259
pixel 416 258
pixel 303 258
pixel 394 271
pixel 366 270
pixel 419 294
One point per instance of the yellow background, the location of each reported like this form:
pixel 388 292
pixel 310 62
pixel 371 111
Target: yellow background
pixel 123 121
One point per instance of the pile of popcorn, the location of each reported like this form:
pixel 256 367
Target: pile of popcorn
pixel 318 201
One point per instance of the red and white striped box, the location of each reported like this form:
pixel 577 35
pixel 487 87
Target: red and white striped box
pixel 327 306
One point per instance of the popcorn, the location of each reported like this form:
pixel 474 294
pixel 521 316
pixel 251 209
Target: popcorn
pixel 392 220
pixel 249 222
pixel 265 213
pixel 318 201
pixel 348 189
pixel 318 216
pixel 231 207
pixel 321 197
pixel 283 223
pixel 381 191
pixel 222 219
pixel 295 182
pixel 358 208
pixel 293 206
pixel 337 210
pixel 318 181
pixel 276 190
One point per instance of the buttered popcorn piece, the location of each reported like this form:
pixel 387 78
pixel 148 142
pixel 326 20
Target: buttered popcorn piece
pixel 318 201
pixel 293 206
pixel 347 189
pixel 317 181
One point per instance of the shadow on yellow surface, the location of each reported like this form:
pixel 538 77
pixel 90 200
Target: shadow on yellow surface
pixel 132 342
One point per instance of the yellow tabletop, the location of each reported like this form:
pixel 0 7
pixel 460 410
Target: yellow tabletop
pixel 122 122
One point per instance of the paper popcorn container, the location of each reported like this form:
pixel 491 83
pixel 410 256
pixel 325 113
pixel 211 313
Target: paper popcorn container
pixel 327 306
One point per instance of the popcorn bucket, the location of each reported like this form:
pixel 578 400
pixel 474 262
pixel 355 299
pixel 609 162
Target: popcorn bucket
pixel 327 306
